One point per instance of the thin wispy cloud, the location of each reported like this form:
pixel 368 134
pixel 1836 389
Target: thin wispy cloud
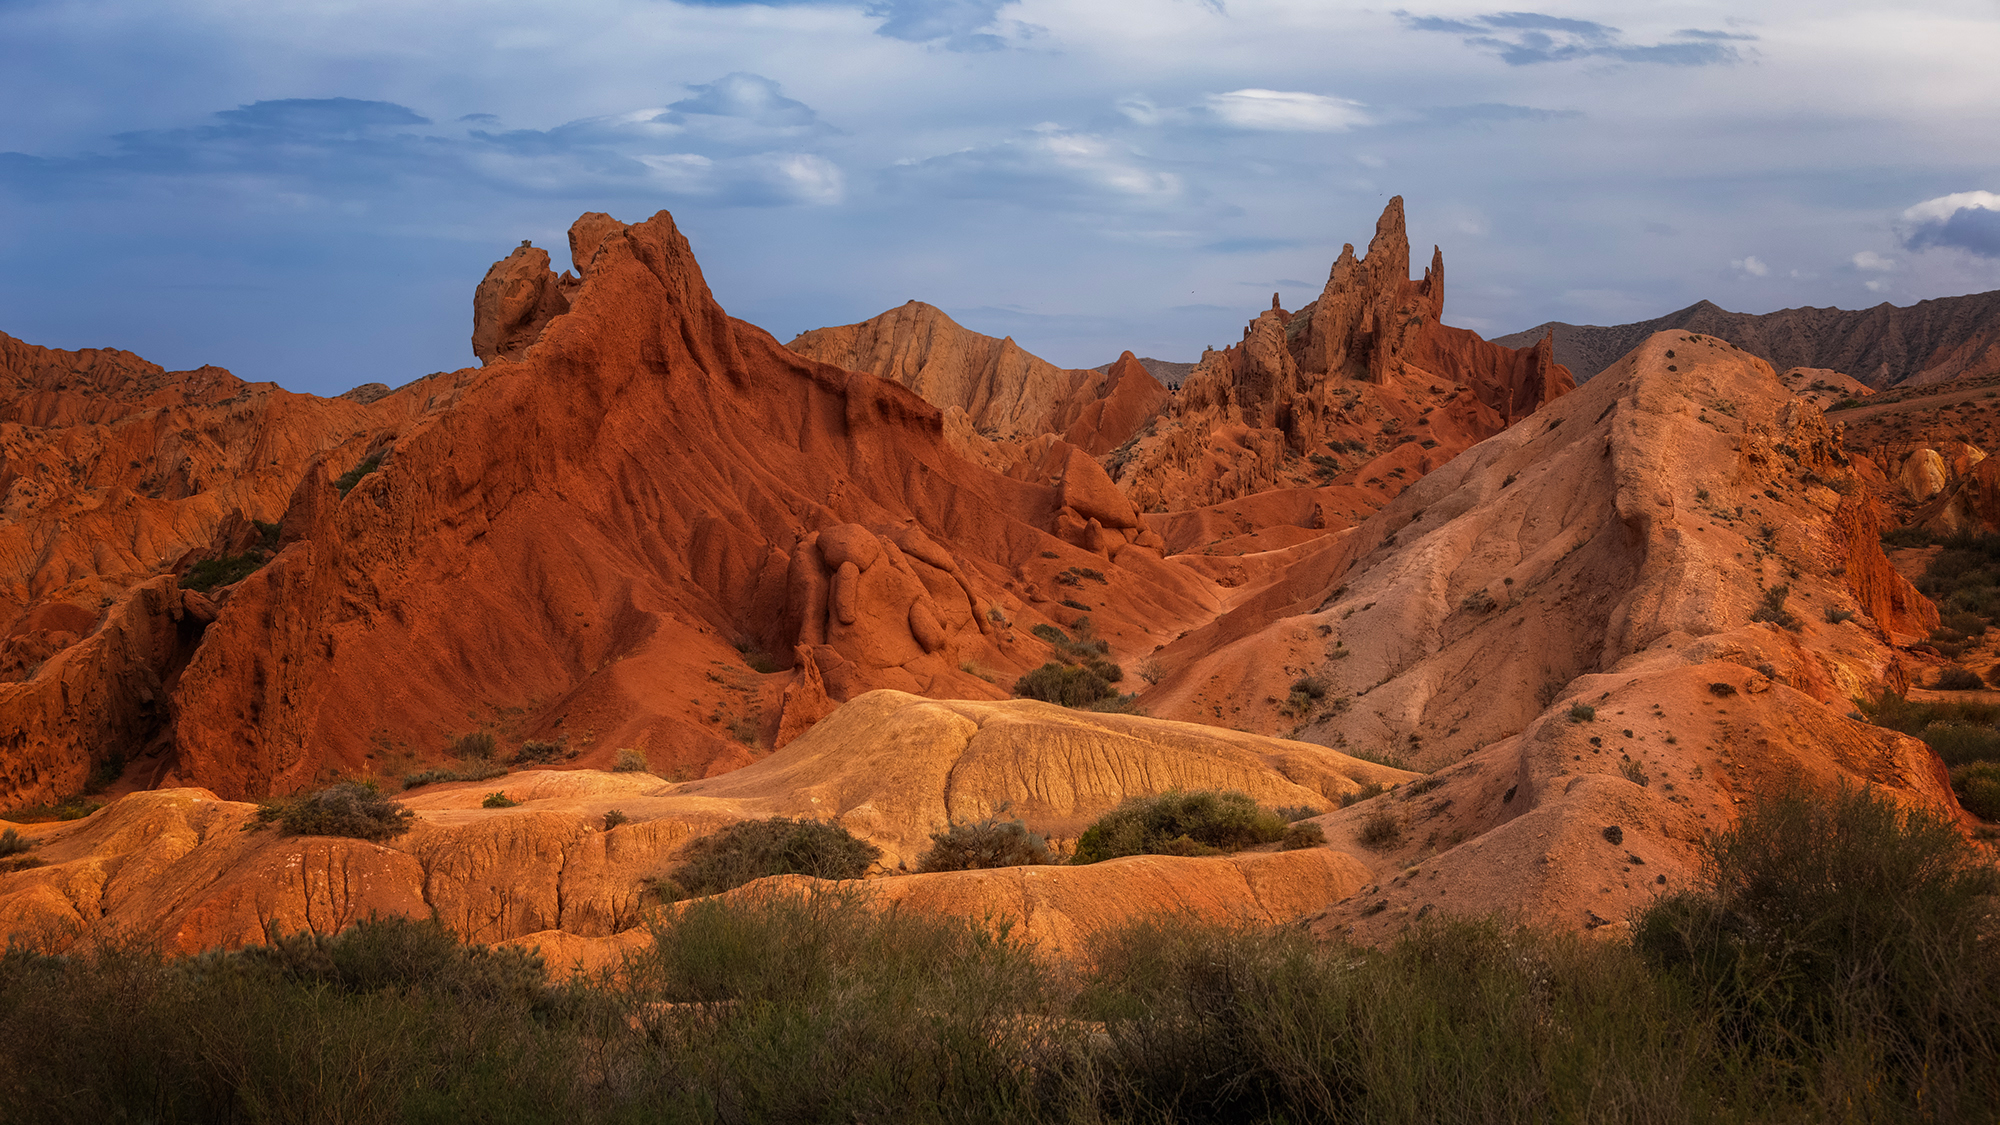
pixel 1531 38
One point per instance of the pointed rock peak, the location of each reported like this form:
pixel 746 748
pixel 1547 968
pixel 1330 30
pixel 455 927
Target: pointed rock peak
pixel 1389 251
pixel 1275 307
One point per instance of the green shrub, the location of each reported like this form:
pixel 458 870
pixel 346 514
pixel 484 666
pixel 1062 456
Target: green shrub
pixel 228 570
pixel 1307 691
pixel 346 481
pixel 754 849
pixel 1070 685
pixel 354 809
pixel 13 843
pixel 1581 712
pixel 473 770
pixel 1977 786
pixel 630 761
pixel 498 800
pixel 981 844
pixel 1302 835
pixel 1841 926
pixel 1198 822
pixel 1959 679
pixel 475 747
pixel 538 753
pixel 615 817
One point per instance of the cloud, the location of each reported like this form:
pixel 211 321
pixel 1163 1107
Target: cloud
pixel 1495 113
pixel 1751 265
pixel 735 141
pixel 1254 110
pixel 1286 111
pixel 958 25
pixel 1047 165
pixel 1870 260
pixel 1528 38
pixel 1966 220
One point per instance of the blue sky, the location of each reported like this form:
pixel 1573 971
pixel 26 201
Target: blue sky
pixel 308 192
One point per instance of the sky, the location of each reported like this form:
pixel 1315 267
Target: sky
pixel 308 192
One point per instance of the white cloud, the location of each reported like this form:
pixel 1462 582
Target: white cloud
pixel 1877 285
pixel 1945 206
pixel 1870 260
pixel 1751 265
pixel 1287 111
pixel 1046 165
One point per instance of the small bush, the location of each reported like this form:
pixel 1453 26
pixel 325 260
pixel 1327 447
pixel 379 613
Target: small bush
pixel 1295 813
pixel 475 747
pixel 1367 792
pixel 1772 609
pixel 1302 835
pixel 498 801
pixel 1835 615
pixel 982 844
pixel 1634 772
pixel 615 817
pixel 629 761
pixel 1198 822
pixel 1070 685
pixel 1959 679
pixel 1380 830
pixel 754 849
pixel 1977 786
pixel 1581 712
pixel 534 753
pixel 13 843
pixel 355 809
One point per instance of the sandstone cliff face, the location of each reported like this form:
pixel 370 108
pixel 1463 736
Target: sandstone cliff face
pixel 583 541
pixel 1004 392
pixel 115 475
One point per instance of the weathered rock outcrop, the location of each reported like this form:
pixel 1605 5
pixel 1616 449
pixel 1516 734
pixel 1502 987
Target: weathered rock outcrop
pixel 1002 390
pixel 1333 392
pixel 515 302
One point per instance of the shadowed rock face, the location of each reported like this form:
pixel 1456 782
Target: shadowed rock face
pixel 1929 342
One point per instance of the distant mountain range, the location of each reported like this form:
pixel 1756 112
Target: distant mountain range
pixel 1885 346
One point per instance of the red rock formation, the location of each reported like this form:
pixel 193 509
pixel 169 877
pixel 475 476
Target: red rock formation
pixel 576 543
pixel 517 299
pixel 1362 370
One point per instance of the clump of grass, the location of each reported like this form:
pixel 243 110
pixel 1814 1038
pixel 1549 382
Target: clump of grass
pixel 1070 685
pixel 355 809
pixel 1196 822
pixel 1634 772
pixel 475 747
pixel 629 760
pixel 754 849
pixel 474 770
pixel 981 844
pixel 1305 697
pixel 1841 928
pixel 498 800
pixel 615 817
pixel 13 843
pixel 1581 712
pixel 1367 792
pixel 1978 788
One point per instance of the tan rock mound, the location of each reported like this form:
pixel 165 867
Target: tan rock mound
pixel 178 866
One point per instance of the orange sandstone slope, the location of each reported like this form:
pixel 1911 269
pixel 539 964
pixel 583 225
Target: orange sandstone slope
pixel 1611 624
pixel 633 491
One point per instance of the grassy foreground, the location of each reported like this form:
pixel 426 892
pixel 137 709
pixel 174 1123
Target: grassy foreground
pixel 1862 986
